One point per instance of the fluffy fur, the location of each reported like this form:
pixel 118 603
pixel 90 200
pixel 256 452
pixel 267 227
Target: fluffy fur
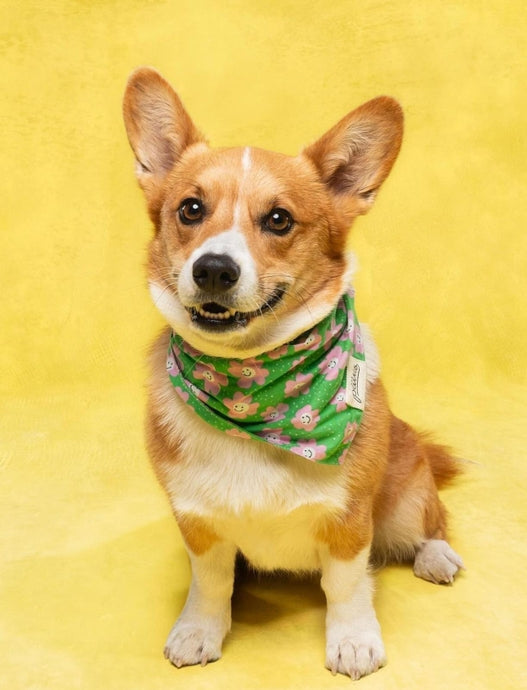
pixel 233 495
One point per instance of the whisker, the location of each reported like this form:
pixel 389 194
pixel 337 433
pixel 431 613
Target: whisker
pixel 167 287
pixel 302 300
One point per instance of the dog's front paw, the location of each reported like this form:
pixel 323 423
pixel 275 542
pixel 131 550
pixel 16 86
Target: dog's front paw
pixel 190 644
pixel 356 654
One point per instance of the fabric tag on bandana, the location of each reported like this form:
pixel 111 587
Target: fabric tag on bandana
pixel 356 383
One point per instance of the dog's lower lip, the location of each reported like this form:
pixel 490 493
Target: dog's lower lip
pixel 215 316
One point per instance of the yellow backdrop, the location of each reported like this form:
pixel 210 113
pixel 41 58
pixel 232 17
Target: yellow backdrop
pixel 93 569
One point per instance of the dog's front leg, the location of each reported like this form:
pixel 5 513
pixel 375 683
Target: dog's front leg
pixel 197 635
pixel 353 637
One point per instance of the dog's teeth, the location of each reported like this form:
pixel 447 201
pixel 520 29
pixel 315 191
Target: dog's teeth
pixel 209 315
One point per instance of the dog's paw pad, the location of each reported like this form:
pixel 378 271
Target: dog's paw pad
pixel 188 645
pixel 437 562
pixel 356 655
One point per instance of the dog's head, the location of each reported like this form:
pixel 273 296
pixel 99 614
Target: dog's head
pixel 249 248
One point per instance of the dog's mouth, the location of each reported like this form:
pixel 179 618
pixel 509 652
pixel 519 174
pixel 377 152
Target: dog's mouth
pixel 213 316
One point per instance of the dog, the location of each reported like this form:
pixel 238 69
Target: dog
pixel 267 422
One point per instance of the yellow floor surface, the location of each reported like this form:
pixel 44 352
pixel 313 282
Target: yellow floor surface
pixel 93 570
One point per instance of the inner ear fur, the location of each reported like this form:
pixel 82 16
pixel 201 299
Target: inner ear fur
pixel 158 126
pixel 355 156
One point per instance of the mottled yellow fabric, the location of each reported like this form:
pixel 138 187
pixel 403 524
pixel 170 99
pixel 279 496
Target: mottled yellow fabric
pixel 93 570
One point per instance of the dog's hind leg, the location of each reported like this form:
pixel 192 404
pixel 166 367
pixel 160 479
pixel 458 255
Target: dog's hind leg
pixel 410 520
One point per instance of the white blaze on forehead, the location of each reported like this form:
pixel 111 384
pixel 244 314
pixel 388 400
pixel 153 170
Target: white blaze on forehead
pixel 246 159
pixel 246 166
pixel 236 216
pixel 231 242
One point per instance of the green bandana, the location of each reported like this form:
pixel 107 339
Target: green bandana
pixel 306 396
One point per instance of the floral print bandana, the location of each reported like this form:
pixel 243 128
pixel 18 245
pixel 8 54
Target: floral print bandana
pixel 306 396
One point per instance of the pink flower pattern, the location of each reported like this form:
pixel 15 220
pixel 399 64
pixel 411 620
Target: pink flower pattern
pixel 300 384
pixel 335 360
pixel 278 352
pixel 249 371
pixel 274 436
pixel 350 431
pixel 310 450
pixel 306 418
pixel 342 457
pixel 241 405
pixel 182 394
pixel 339 399
pixel 212 380
pixel 311 342
pixel 172 365
pixel 275 414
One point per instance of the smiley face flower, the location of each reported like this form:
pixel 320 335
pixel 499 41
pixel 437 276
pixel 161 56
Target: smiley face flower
pixel 310 342
pixel 249 371
pixel 306 418
pixel 274 436
pixel 212 380
pixel 241 405
pixel 339 399
pixel 275 414
pixel 335 360
pixel 310 450
pixel 172 365
pixel 300 385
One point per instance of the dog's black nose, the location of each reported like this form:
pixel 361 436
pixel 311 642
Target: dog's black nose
pixel 215 272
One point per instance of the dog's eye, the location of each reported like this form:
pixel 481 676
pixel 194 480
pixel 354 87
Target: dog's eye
pixel 191 211
pixel 278 221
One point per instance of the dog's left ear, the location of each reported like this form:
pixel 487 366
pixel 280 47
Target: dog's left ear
pixel 356 155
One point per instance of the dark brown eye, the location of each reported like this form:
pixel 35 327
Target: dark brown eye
pixel 278 221
pixel 191 211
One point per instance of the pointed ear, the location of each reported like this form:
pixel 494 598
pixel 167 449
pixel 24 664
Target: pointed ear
pixel 158 126
pixel 356 155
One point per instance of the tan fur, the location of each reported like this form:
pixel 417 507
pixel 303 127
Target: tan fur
pixel 229 493
pixel 407 509
pixel 347 534
pixel 198 537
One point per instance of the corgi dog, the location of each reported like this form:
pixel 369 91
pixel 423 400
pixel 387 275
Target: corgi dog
pixel 267 423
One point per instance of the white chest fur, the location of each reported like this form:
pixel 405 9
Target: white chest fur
pixel 260 497
pixel 263 499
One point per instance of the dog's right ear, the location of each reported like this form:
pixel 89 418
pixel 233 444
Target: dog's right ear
pixel 158 126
